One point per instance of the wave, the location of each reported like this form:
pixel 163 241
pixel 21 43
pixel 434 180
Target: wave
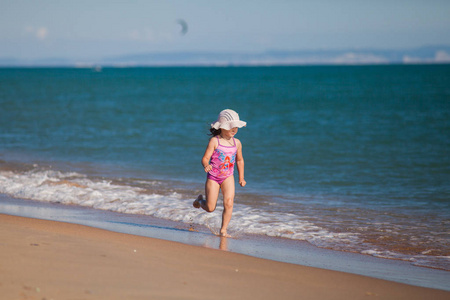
pixel 159 199
pixel 141 197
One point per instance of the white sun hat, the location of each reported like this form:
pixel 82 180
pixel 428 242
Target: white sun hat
pixel 227 120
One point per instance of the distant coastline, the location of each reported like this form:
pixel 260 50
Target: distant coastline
pixel 421 55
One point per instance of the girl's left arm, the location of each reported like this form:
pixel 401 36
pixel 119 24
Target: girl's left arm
pixel 240 164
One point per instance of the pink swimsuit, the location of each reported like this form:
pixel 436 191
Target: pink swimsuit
pixel 222 162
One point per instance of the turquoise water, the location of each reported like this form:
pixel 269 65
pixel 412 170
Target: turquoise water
pixel 352 158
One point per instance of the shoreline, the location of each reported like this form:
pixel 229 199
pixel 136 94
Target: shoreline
pixel 271 216
pixel 49 259
pixel 275 249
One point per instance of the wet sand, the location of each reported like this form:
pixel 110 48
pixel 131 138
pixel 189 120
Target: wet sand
pixel 42 259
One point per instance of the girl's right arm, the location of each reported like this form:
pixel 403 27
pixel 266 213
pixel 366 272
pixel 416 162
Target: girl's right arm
pixel 212 145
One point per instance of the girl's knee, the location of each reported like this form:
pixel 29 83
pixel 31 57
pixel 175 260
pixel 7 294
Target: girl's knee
pixel 209 208
pixel 228 203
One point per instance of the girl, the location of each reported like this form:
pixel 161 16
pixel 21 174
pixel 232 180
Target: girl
pixel 222 153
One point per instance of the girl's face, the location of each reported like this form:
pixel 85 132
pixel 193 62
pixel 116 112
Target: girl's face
pixel 229 133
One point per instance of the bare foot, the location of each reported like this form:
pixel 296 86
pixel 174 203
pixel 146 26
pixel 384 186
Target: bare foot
pixel 196 202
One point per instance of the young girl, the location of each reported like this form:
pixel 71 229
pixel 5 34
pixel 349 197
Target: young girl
pixel 222 153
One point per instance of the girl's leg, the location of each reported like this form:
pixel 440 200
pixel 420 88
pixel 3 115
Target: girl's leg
pixel 228 191
pixel 212 189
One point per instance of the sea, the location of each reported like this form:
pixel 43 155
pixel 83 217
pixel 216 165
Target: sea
pixel 348 158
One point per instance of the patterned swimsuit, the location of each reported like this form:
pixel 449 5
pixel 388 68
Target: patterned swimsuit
pixel 222 162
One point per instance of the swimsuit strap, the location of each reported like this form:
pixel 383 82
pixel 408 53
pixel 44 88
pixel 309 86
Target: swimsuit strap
pixel 218 141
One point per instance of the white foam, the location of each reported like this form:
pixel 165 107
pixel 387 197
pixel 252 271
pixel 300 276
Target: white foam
pixel 78 189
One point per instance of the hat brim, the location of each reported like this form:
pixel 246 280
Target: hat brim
pixel 229 125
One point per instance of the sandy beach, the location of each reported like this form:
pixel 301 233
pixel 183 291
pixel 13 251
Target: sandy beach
pixel 53 260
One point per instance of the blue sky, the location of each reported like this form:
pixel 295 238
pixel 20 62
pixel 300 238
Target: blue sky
pixel 99 28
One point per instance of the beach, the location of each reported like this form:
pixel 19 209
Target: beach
pixel 331 158
pixel 43 259
pixel 346 169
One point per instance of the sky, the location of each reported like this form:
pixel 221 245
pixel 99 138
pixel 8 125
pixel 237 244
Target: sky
pixel 34 29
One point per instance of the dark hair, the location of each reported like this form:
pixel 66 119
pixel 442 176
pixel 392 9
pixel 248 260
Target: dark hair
pixel 214 132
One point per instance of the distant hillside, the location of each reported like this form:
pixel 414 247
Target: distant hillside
pixel 436 54
pixel 422 55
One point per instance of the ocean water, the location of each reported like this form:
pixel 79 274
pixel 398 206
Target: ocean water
pixel 351 158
